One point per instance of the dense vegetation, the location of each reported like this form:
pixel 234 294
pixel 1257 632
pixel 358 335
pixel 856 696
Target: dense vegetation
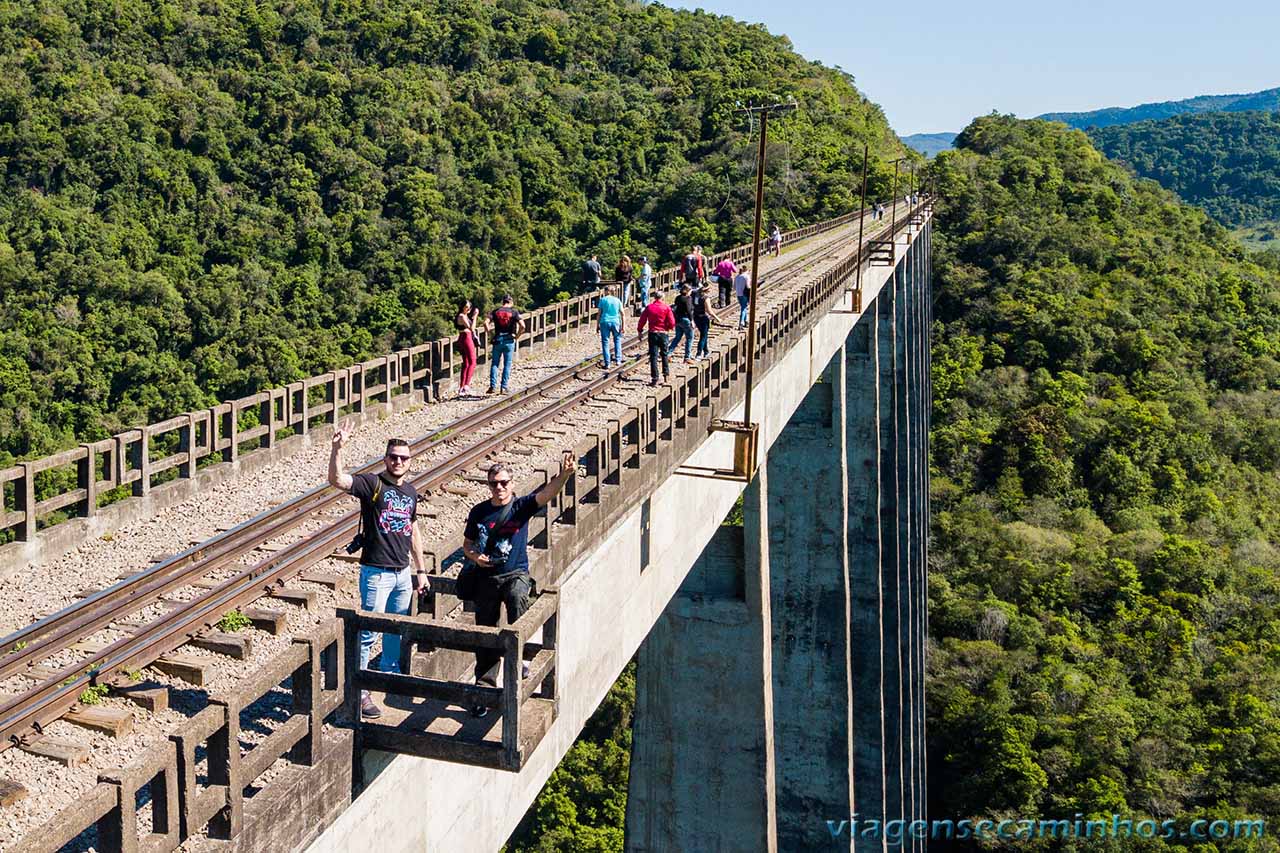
pixel 205 198
pixel 583 806
pixel 1104 596
pixel 1227 163
pixel 1268 99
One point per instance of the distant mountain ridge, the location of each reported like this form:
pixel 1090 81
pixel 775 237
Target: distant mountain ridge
pixel 1268 100
pixel 929 144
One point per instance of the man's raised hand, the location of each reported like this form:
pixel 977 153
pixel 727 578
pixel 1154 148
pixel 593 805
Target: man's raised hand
pixel 567 462
pixel 340 436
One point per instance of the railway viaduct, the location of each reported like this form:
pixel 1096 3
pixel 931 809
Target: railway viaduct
pixel 753 532
pixel 780 661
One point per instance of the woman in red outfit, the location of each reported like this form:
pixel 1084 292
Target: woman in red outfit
pixel 466 323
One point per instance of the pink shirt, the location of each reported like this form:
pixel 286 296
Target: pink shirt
pixel 726 269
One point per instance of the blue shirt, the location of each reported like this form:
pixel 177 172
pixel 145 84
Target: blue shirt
pixel 610 311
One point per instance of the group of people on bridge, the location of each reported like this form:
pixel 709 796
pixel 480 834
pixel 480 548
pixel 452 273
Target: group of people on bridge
pixel 668 324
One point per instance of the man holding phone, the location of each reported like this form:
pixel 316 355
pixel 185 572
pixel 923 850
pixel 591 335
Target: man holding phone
pixel 495 540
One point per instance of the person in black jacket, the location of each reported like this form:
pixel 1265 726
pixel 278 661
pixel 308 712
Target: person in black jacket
pixel 683 308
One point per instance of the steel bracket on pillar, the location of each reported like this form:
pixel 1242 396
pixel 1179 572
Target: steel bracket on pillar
pixel 856 307
pixel 746 439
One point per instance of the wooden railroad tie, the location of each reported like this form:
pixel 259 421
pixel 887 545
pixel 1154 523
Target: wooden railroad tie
pixel 115 722
pixel 68 753
pixel 148 695
pixel 274 622
pixel 188 668
pixel 336 583
pixel 232 645
pixel 303 597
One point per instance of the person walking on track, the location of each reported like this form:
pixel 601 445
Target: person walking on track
pixel 658 317
pixel 612 327
pixel 724 273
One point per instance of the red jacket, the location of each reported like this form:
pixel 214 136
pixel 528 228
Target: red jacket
pixel 658 316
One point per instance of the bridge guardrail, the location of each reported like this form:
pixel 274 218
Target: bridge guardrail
pixel 180 446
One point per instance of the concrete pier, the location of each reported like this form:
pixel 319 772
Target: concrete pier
pixel 835 536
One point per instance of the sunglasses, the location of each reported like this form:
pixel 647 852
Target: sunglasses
pixel 396 457
pixel 493 484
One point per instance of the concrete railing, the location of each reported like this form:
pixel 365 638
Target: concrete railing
pixel 147 456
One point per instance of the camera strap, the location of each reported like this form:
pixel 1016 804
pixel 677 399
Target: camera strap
pixel 377 496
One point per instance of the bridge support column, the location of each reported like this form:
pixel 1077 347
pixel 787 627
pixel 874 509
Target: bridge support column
pixel 813 735
pixel 702 760
pixel 869 642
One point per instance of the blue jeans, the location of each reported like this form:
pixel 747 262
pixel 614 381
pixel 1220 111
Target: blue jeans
pixel 607 331
pixel 504 350
pixel 384 591
pixel 704 326
pixel 743 302
pixel 644 292
pixel 684 332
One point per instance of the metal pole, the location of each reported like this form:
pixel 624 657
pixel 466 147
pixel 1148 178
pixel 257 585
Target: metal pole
pixel 755 266
pixel 862 215
pixel 893 218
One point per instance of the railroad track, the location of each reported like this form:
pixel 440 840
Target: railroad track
pixel 26 715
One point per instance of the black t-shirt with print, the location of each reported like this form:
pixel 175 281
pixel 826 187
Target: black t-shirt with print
pixel 508 540
pixel 388 522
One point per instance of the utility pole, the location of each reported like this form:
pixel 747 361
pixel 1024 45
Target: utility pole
pixel 862 212
pixel 764 113
pixel 893 217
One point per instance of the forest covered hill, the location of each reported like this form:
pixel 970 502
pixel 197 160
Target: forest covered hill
pixel 1226 163
pixel 1104 596
pixel 202 199
pixel 1268 99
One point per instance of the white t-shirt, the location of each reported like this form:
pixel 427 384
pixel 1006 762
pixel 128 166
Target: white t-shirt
pixel 740 284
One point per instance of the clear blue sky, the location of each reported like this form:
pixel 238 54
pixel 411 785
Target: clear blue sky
pixel 935 65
